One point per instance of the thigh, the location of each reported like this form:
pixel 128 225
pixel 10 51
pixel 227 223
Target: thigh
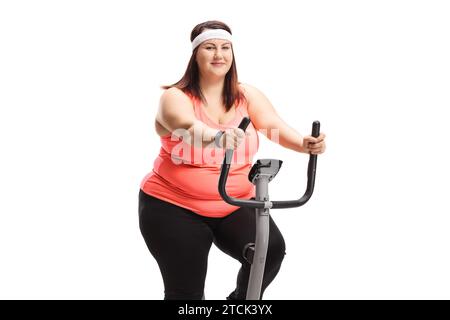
pixel 179 241
pixel 238 229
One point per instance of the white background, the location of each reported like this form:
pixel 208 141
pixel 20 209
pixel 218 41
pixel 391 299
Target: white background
pixel 79 88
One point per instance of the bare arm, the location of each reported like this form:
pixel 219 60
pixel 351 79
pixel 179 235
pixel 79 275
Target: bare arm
pixel 265 118
pixel 176 114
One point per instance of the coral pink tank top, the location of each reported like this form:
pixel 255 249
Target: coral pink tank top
pixel 188 176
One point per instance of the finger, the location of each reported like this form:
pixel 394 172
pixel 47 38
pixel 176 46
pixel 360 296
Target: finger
pixel 315 149
pixel 310 139
pixel 242 132
pixel 239 132
pixel 319 139
pixel 316 146
pixel 233 140
pixel 318 151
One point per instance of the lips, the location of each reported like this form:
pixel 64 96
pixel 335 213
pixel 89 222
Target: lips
pixel 217 63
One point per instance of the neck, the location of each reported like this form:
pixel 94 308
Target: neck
pixel 212 89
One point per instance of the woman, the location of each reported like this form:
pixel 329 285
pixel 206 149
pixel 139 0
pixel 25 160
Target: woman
pixel 180 210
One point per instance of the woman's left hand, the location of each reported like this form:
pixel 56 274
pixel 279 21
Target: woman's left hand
pixel 313 145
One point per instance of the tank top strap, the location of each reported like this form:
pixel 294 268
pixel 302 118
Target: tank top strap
pixel 195 103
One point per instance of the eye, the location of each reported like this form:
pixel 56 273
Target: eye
pixel 226 48
pixel 209 48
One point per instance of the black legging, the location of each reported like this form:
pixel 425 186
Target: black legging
pixel 180 239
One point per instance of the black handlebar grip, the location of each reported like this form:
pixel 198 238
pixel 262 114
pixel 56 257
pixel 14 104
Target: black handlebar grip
pixel 315 129
pixel 244 123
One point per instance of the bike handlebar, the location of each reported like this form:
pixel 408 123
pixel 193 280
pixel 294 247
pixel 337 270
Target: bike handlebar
pixel 312 164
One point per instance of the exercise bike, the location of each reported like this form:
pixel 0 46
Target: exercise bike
pixel 261 173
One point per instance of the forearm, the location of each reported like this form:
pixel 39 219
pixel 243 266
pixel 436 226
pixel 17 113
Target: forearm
pixel 285 136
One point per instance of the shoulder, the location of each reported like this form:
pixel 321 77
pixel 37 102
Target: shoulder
pixel 248 90
pixel 174 95
pixel 252 94
pixel 173 104
pixel 260 109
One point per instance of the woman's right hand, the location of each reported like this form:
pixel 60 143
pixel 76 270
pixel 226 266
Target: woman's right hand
pixel 232 138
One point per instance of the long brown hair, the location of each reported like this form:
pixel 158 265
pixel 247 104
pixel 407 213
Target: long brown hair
pixel 189 83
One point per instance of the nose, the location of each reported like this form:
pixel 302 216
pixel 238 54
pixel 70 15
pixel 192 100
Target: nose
pixel 218 54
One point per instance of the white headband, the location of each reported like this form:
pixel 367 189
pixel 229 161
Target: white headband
pixel 211 34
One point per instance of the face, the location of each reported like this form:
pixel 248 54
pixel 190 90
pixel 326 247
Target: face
pixel 214 58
